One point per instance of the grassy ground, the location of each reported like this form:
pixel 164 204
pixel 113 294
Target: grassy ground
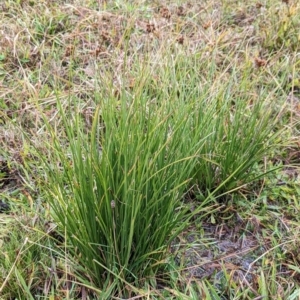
pixel 149 149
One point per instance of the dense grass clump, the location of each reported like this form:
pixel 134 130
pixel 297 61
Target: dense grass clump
pixel 117 192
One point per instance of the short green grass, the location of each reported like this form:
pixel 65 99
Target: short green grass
pixel 149 150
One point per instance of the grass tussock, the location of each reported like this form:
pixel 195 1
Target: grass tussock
pixel 149 150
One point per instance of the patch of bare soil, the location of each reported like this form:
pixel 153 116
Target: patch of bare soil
pixel 9 181
pixel 228 248
pixel 4 181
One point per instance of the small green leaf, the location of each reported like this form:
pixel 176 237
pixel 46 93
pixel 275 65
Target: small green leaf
pixel 212 219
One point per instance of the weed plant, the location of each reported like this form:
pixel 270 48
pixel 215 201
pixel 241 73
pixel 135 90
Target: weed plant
pixel 118 195
pixel 117 191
